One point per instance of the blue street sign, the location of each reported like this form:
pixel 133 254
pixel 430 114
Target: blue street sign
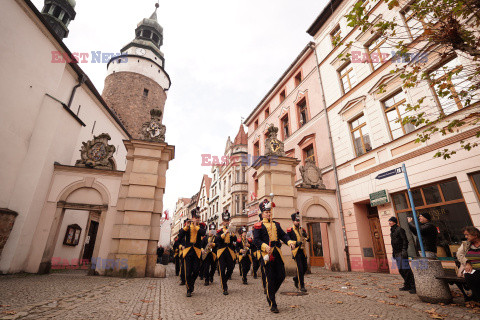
pixel 389 173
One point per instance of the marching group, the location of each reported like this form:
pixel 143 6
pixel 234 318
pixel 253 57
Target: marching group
pixel 201 252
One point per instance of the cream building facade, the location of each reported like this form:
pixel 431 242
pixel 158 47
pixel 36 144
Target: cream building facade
pixel 368 141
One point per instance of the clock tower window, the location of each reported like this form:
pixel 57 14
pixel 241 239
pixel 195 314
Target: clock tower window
pixel 145 92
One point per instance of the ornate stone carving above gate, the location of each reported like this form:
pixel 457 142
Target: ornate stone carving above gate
pixel 97 153
pixel 273 146
pixel 311 175
pixel 154 130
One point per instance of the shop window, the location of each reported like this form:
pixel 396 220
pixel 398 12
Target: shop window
pixel 444 202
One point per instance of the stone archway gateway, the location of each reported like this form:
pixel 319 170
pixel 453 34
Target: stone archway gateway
pixel 94 198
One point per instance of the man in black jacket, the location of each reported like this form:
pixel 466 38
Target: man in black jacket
pixel 428 231
pixel 400 254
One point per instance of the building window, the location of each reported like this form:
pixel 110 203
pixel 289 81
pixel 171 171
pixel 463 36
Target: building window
pixel 335 35
pixel 283 95
pixel 377 52
pixel 255 188
pixel 57 11
pixel 285 127
pixel 256 149
pixel 395 109
pixel 145 92
pixel 309 153
pixel 360 136
pixel 347 77
pixel 255 125
pixel 447 84
pixel 298 79
pixel 475 178
pixel 445 203
pixel 415 27
pixel 302 112
pixel 267 112
pixel 147 34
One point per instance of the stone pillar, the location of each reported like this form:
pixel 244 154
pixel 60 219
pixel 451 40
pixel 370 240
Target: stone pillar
pixel 140 206
pixel 277 175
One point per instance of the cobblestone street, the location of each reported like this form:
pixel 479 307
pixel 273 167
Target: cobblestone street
pixel 73 295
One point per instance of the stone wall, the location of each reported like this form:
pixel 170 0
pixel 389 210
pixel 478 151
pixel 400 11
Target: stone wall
pixel 7 219
pixel 124 93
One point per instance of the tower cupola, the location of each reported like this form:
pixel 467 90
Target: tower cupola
pixel 59 13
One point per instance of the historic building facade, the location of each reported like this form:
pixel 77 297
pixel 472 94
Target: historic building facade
pixel 86 173
pixel 294 105
pixel 368 140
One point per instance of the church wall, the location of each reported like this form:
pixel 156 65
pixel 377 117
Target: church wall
pixel 71 252
pixel 36 130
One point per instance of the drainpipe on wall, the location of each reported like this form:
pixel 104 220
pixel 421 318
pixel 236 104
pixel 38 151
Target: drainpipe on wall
pixel 81 81
pixel 334 163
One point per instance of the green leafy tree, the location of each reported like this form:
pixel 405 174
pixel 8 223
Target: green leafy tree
pixel 435 28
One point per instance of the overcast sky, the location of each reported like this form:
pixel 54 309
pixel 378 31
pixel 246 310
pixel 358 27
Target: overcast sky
pixel 223 56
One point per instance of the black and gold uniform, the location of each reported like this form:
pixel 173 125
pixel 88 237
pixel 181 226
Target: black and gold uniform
pixel 257 261
pixel 267 235
pixel 192 233
pixel 299 254
pixel 244 254
pixel 181 246
pixel 225 243
pixel 176 256
pixel 209 255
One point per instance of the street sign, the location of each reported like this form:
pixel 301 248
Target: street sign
pixel 389 173
pixel 379 198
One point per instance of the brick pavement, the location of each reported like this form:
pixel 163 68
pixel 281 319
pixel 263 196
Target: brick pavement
pixel 73 295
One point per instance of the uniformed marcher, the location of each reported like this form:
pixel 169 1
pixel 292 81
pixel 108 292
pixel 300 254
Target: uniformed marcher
pixel 258 258
pixel 192 233
pixel 209 255
pixel 176 257
pixel 299 254
pixel 267 235
pixel 225 243
pixel 244 254
pixel 181 246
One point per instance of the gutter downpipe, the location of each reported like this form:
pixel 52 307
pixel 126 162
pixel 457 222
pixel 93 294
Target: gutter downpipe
pixel 81 81
pixel 334 163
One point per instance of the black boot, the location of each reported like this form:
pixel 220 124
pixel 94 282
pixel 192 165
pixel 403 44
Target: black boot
pixel 189 294
pixel 225 292
pixel 206 283
pixel 295 281
pixel 274 309
pixel 303 289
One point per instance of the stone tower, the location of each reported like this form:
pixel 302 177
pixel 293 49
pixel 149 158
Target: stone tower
pixel 137 82
pixel 59 13
pixel 135 89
